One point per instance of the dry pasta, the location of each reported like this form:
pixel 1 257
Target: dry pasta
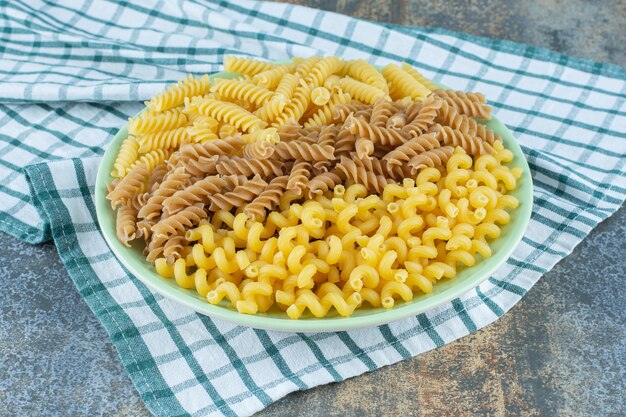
pixel 315 188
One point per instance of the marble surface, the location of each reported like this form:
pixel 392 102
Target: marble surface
pixel 560 351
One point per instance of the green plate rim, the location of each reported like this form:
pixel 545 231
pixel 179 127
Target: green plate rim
pixel 466 280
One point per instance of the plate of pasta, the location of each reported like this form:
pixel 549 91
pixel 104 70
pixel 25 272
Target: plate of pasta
pixel 318 194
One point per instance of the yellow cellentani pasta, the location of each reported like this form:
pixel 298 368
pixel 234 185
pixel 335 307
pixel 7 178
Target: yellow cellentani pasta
pixel 315 188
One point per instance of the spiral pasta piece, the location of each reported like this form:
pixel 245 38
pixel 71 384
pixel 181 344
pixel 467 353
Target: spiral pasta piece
pixel 378 135
pixel 345 143
pixel 319 308
pixel 230 113
pixel 425 118
pixel 200 192
pixel 176 180
pixel 419 77
pixel 268 199
pixel 320 96
pixel 202 166
pixel 448 116
pixel 129 186
pixel 469 104
pixel 297 106
pixel 149 122
pixel 201 134
pixel 434 157
pixel 364 148
pixel 299 176
pixel 246 66
pixel 271 78
pixel 367 172
pixel 361 91
pixel 404 153
pixel 362 70
pixel 322 70
pixel 287 86
pixel 177 224
pixel 342 111
pixel 307 151
pixel 269 135
pixel 260 150
pixel 125 157
pixel 240 195
pixel 328 136
pixel 471 144
pixel 126 224
pixel 152 159
pixel 249 167
pixel 242 90
pixel 382 110
pixel 405 83
pixel 413 110
pixel 156 176
pixel 272 108
pixel 304 66
pixel 324 115
pixel 175 95
pixel 163 140
pixel 320 184
pixel 218 147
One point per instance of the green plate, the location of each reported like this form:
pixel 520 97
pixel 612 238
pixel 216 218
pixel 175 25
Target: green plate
pixel 444 291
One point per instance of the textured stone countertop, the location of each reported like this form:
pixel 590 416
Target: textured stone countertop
pixel 560 351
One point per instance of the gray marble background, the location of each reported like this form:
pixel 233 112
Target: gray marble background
pixel 560 351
